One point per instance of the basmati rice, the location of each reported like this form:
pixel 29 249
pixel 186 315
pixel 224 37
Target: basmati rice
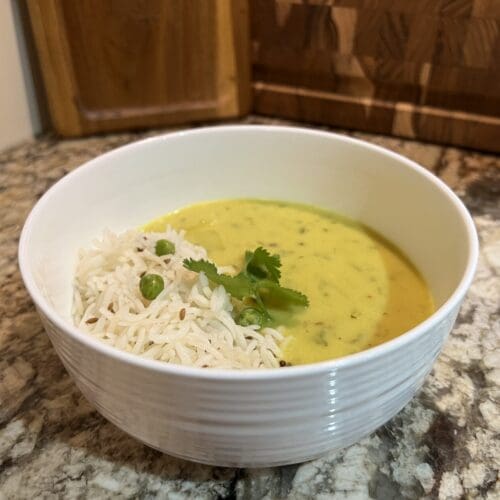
pixel 189 323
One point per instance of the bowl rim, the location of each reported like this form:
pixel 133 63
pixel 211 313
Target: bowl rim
pixel 258 373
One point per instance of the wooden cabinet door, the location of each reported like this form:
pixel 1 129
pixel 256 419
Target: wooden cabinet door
pixel 122 64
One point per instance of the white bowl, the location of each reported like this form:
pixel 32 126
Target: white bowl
pixel 253 417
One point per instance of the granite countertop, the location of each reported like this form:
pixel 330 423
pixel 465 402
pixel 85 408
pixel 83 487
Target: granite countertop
pixel 444 444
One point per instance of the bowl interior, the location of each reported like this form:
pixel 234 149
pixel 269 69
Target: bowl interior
pixel 134 184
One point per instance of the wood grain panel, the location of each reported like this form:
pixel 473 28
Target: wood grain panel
pixel 427 69
pixel 117 64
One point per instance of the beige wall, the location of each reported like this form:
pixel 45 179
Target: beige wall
pixel 19 113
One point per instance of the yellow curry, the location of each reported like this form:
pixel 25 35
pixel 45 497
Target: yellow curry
pixel 362 290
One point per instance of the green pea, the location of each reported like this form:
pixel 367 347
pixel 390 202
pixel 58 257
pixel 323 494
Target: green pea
pixel 164 247
pixel 151 286
pixel 250 316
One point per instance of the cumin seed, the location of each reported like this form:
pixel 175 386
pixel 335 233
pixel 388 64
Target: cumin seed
pixel 91 320
pixel 182 313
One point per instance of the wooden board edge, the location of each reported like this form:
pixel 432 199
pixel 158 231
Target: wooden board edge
pixel 377 116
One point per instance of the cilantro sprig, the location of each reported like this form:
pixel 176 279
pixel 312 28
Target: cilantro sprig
pixel 258 283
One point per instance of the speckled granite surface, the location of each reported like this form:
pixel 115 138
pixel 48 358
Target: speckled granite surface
pixel 444 444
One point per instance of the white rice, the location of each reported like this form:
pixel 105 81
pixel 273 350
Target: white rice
pixel 108 304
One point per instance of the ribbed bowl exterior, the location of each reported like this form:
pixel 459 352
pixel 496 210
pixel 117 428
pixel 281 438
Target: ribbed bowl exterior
pixel 251 422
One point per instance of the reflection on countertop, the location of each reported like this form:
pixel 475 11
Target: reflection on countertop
pixel 53 444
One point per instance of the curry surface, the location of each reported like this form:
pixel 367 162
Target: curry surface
pixel 362 290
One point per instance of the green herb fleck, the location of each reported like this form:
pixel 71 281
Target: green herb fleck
pixel 320 338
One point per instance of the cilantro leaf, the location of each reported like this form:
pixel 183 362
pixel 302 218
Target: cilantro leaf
pixel 257 285
pixel 260 264
pixel 279 294
pixel 238 286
